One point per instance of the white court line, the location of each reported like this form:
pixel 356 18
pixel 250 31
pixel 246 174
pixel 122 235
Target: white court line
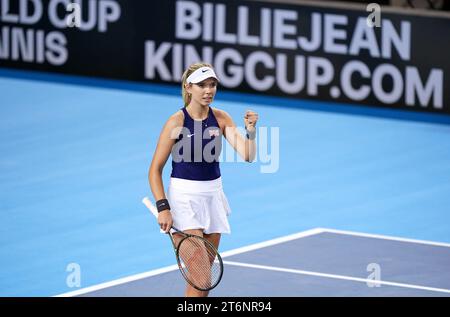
pixel 175 267
pixel 339 277
pixel 384 237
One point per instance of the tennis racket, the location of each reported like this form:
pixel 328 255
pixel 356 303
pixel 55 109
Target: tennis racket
pixel 198 260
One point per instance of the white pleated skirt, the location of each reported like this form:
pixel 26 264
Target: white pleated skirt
pixel 199 205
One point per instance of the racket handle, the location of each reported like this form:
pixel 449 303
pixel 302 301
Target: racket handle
pixel 146 201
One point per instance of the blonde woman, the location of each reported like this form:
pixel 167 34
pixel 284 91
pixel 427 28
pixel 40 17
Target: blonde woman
pixel 195 202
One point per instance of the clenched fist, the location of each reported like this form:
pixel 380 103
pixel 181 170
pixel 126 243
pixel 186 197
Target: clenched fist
pixel 250 119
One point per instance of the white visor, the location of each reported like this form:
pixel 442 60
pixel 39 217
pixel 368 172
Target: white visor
pixel 201 74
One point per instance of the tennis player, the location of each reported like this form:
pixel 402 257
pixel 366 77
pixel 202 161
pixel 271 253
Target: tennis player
pixel 195 201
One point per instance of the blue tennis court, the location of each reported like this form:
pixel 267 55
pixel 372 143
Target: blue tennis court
pixel 73 169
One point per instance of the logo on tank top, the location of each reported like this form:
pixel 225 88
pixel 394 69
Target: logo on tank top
pixel 214 132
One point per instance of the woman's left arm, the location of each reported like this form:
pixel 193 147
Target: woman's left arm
pixel 244 146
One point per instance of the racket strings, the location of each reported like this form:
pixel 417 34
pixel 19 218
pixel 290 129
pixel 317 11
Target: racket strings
pixel 199 262
pixel 195 258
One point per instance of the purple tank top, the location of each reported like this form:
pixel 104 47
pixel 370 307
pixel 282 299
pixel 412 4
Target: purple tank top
pixel 195 154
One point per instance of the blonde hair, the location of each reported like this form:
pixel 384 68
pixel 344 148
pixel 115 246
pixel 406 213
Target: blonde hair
pixel 186 74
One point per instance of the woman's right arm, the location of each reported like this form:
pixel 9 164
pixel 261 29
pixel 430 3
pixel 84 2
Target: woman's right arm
pixel 166 141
